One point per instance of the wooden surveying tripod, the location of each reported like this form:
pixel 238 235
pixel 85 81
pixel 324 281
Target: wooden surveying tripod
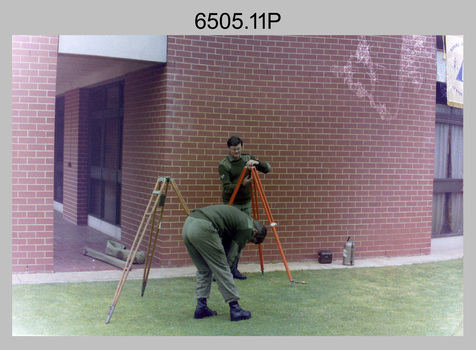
pixel 256 185
pixel 156 204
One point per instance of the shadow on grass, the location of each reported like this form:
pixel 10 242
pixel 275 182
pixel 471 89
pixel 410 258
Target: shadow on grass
pixel 422 299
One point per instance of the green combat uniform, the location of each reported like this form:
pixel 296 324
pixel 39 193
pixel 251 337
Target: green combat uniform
pixel 230 171
pixel 206 233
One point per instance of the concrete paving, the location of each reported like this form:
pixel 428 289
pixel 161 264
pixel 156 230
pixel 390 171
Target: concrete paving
pixel 442 249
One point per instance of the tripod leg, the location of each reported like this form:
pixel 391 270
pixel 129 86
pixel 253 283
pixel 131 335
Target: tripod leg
pixel 153 237
pixel 148 254
pixel 271 220
pixel 135 246
pixel 254 208
pixel 179 195
pixel 260 249
pixel 254 202
pixel 282 256
pixel 238 184
pixel 158 192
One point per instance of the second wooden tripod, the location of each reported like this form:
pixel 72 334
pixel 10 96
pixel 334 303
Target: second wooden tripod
pixel 257 186
pixel 156 205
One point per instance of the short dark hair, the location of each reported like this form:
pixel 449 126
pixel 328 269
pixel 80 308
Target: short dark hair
pixel 234 141
pixel 262 231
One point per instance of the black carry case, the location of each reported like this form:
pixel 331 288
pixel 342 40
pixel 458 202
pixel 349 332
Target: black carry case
pixel 324 256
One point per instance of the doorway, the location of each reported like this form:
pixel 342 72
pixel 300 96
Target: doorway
pixel 105 152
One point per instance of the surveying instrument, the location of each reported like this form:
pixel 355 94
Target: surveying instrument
pixel 156 206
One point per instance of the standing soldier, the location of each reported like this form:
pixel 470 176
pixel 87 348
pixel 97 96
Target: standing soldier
pixel 230 169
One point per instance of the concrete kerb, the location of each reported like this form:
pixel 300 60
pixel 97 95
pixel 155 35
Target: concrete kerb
pixel 448 248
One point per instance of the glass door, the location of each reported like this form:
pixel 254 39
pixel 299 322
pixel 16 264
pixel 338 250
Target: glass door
pixel 105 152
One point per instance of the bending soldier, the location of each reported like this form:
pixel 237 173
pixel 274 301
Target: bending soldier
pixel 206 232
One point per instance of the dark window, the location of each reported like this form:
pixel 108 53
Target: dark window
pixel 105 152
pixel 448 163
pixel 59 150
pixel 440 42
pixel 448 172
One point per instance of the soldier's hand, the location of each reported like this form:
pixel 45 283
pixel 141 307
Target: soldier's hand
pixel 247 180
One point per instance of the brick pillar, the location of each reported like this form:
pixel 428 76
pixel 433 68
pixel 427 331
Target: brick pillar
pixel 34 60
pixel 75 180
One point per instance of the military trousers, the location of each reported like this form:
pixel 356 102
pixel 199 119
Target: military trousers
pixel 206 250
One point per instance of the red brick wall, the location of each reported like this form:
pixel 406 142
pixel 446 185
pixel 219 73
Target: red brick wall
pixel 34 60
pixel 145 144
pixel 75 167
pixel 346 122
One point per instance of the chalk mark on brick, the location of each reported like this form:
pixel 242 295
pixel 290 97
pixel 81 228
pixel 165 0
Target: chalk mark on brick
pixel 366 78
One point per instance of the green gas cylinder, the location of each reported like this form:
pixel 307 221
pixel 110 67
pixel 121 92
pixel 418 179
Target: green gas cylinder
pixel 349 250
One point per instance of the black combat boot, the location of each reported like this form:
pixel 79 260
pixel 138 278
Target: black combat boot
pixel 237 274
pixel 237 313
pixel 202 309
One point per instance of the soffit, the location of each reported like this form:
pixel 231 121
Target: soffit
pixel 77 71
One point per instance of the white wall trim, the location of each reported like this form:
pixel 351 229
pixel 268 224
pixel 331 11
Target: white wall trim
pixel 58 206
pixel 104 227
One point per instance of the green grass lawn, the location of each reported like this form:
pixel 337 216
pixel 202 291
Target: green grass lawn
pixel 421 299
